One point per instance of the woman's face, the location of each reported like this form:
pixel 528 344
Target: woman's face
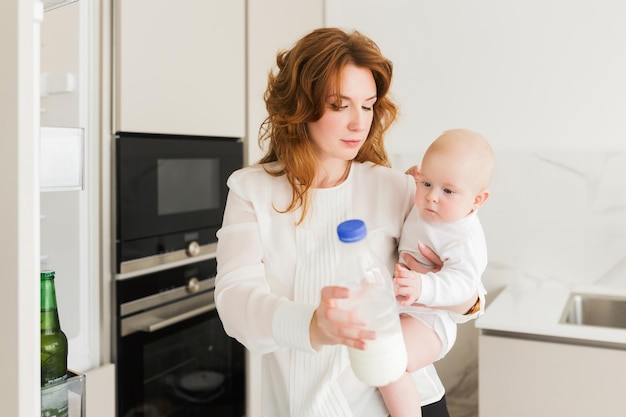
pixel 344 126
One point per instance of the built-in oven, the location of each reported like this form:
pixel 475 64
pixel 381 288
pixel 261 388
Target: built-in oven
pixel 170 197
pixel 173 357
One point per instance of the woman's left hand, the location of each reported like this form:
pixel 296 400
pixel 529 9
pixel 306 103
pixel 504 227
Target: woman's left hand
pixel 331 325
pixel 429 254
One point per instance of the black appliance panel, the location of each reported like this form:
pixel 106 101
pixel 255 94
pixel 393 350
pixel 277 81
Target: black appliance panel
pixel 171 194
pixel 170 184
pixel 173 358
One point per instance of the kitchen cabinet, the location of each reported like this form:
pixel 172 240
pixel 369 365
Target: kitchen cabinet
pixel 533 363
pixel 522 377
pixel 180 67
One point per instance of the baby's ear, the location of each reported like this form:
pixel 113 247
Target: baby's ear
pixel 480 198
pixel 414 171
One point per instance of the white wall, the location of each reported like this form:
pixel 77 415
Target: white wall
pixel 529 74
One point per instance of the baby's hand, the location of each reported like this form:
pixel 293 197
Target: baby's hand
pixel 408 285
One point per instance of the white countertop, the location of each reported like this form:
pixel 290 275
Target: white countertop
pixel 537 309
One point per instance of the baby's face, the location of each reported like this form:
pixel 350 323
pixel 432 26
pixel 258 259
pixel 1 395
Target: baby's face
pixel 445 187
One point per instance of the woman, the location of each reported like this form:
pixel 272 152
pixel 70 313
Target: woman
pixel 328 109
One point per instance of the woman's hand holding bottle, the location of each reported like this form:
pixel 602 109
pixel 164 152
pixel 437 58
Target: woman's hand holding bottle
pixel 331 325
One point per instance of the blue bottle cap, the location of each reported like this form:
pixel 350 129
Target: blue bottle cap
pixel 351 230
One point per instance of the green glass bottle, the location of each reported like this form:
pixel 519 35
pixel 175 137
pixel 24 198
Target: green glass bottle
pixel 53 353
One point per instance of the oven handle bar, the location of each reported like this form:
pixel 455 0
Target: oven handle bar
pixel 176 319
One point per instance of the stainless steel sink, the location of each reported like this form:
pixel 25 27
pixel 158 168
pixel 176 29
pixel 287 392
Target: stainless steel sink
pixel 595 310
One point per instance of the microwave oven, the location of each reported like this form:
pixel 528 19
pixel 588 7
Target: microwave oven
pixel 170 197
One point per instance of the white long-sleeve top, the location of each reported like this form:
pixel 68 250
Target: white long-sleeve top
pixel 271 272
pixel 462 247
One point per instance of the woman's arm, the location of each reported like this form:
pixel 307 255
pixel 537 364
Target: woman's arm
pixel 412 263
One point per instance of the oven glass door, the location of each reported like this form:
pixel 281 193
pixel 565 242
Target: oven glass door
pixel 189 369
pixel 172 184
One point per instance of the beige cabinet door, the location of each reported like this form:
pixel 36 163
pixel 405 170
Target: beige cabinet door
pixel 522 378
pixel 180 67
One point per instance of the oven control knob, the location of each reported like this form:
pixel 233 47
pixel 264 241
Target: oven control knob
pixel 193 285
pixel 193 249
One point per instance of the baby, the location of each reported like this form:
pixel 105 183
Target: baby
pixel 452 183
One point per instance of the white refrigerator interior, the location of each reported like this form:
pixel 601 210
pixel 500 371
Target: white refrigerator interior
pixel 68 236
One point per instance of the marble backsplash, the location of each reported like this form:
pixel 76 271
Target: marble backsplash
pixel 552 217
pixel 557 216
